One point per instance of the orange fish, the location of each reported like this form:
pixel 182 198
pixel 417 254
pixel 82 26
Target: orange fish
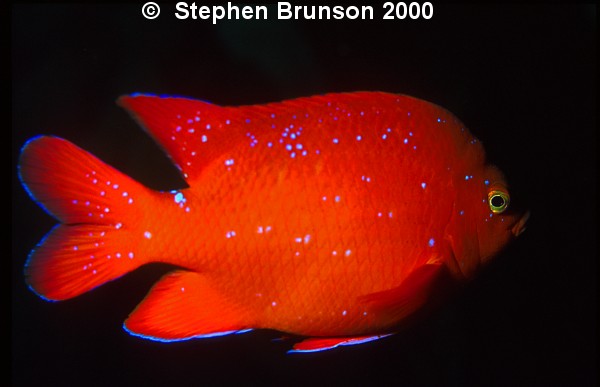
pixel 336 217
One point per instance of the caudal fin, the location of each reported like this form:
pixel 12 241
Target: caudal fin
pixel 99 210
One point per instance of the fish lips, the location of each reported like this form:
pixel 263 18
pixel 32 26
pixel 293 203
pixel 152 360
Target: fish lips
pixel 521 224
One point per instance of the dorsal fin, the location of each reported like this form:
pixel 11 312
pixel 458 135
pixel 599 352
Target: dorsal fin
pixel 192 132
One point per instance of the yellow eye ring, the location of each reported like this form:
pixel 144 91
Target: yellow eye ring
pixel 498 201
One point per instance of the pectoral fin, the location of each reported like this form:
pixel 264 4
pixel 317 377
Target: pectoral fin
pixel 396 304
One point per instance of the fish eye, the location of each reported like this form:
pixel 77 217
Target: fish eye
pixel 498 201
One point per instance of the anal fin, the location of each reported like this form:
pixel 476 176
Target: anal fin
pixel 183 305
pixel 327 343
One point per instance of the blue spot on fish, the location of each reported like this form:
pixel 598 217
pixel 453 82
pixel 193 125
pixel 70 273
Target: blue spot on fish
pixel 179 197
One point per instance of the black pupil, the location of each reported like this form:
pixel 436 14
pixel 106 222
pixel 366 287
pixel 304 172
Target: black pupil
pixel 497 201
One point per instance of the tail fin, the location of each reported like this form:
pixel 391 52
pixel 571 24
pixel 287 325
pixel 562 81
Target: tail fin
pixel 99 209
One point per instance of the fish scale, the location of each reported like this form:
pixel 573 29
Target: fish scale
pixel 336 217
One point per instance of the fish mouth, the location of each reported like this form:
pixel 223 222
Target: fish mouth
pixel 520 226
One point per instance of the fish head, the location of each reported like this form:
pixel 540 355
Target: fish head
pixel 498 220
pixel 484 219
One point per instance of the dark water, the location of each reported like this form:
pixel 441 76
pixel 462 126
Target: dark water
pixel 522 78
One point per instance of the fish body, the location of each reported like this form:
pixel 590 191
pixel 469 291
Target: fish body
pixel 334 217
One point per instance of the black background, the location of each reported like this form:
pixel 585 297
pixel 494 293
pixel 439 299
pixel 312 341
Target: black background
pixel 522 77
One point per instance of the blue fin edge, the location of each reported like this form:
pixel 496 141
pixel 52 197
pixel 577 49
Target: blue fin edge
pixel 347 343
pixel 205 336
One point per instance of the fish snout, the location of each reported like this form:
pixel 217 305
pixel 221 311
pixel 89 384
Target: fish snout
pixel 520 226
